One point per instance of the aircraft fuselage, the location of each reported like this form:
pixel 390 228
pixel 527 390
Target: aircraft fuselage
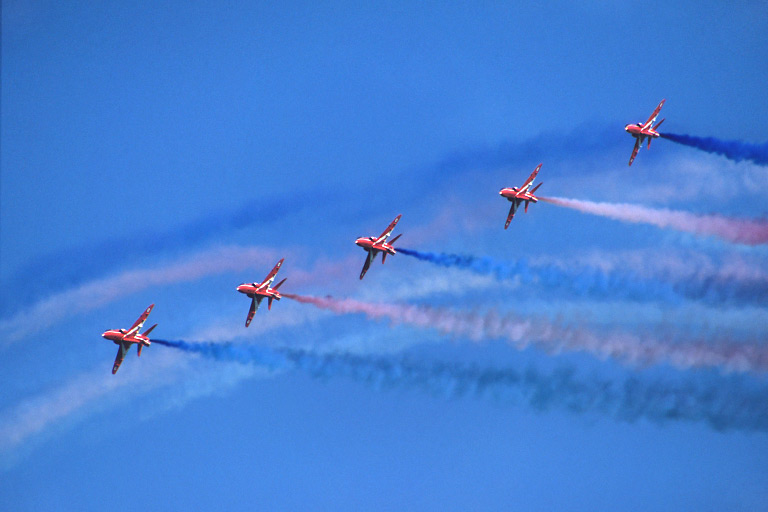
pixel 513 194
pixel 252 291
pixel 369 244
pixel 118 336
pixel 636 130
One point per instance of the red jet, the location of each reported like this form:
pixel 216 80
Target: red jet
pixel 126 338
pixel 373 246
pixel 644 131
pixel 257 292
pixel 518 195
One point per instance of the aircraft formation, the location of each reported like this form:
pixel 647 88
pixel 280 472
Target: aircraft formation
pixel 371 245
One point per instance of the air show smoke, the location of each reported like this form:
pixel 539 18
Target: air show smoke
pixel 735 230
pixel 553 338
pixel 100 292
pixel 721 402
pixel 591 282
pixel 732 149
pixel 596 283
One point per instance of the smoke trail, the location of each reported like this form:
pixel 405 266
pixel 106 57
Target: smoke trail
pixel 742 231
pixel 598 283
pixel 732 149
pixel 103 291
pixel 722 403
pixel 584 281
pixel 553 338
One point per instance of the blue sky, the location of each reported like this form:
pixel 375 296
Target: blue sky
pixel 165 154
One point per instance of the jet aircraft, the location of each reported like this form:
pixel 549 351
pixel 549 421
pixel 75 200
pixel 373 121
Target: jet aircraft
pixel 642 131
pixel 373 245
pixel 127 338
pixel 258 291
pixel 518 195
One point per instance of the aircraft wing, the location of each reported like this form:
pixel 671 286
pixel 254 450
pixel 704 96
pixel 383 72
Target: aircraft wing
pixel 512 210
pixel 255 303
pixel 530 179
pixel 651 119
pixel 389 229
pixel 634 151
pixel 271 276
pixel 121 351
pixel 368 261
pixel 137 325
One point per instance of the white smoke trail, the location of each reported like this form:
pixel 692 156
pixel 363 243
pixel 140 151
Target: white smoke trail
pixel 742 231
pixel 553 338
pixel 100 292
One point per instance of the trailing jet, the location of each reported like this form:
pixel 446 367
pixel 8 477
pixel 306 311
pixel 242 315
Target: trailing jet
pixel 373 245
pixel 518 195
pixel 257 292
pixel 644 131
pixel 127 338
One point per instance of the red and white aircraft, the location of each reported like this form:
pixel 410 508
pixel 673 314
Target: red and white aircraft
pixel 518 195
pixel 127 338
pixel 373 245
pixel 258 291
pixel 644 131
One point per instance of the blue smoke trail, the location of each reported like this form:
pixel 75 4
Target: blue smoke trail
pixel 595 283
pixel 721 402
pixel 732 149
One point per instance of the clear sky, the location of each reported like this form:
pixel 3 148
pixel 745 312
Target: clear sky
pixel 167 152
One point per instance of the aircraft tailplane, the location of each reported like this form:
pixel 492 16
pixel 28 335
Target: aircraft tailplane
pixel 536 188
pixel 391 242
pixel 658 124
pixel 279 284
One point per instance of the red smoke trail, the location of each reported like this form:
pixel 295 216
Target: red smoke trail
pixel 741 231
pixel 553 338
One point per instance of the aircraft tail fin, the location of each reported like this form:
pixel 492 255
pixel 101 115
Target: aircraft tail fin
pixel 138 350
pixel 383 258
pixel 526 206
pixel 269 303
pixel 536 188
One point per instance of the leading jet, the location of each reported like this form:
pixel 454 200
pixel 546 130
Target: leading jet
pixel 518 195
pixel 373 245
pixel 126 338
pixel 642 131
pixel 258 291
